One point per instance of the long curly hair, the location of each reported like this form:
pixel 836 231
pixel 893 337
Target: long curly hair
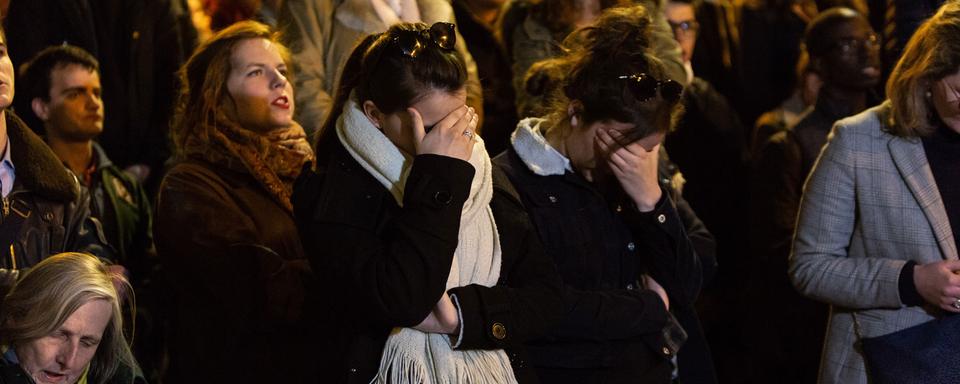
pixel 596 56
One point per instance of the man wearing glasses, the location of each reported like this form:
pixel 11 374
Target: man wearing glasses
pixel 845 51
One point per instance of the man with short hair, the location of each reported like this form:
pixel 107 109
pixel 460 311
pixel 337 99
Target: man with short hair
pixel 44 211
pixel 63 85
pixel 845 51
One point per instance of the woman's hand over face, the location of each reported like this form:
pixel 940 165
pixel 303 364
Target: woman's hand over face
pixel 452 136
pixel 634 165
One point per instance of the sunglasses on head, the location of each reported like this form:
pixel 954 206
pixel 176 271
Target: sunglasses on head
pixel 644 87
pixel 412 43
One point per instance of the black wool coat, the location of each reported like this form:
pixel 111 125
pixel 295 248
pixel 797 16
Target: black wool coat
pixel 612 331
pixel 383 266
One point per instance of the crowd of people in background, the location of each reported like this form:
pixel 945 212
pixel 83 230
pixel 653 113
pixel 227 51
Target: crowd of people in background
pixel 473 191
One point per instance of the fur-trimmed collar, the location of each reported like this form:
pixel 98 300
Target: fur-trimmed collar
pixel 38 168
pixel 534 150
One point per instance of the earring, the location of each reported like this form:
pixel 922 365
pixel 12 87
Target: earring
pixel 928 94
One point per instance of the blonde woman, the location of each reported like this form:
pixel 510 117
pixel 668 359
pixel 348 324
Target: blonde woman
pixel 62 323
pixel 878 226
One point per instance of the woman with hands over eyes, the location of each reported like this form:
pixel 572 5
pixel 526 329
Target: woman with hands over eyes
pixel 432 270
pixel 587 174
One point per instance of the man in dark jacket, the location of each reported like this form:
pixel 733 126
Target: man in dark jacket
pixel 708 146
pixel 845 51
pixel 63 86
pixel 44 210
pixel 140 46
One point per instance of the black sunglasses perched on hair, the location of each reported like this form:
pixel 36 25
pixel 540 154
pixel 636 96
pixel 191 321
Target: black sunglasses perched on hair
pixel 645 87
pixel 411 43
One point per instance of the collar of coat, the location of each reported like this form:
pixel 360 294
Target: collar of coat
pixel 534 150
pixel 38 168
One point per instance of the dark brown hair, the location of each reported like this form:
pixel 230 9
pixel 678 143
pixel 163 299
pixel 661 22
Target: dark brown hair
pixel 931 54
pixel 378 71
pixel 616 45
pixel 36 72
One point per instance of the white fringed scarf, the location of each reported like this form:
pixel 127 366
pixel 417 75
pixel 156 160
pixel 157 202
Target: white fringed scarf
pixel 411 356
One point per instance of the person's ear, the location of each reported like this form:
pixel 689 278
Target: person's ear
pixel 373 113
pixel 40 108
pixel 573 112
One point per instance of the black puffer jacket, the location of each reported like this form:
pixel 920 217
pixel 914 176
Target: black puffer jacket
pixel 612 331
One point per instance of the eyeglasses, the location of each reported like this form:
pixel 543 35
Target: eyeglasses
pixel 684 27
pixel 412 43
pixel 850 46
pixel 644 87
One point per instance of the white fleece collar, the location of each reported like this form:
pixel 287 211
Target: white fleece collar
pixel 534 150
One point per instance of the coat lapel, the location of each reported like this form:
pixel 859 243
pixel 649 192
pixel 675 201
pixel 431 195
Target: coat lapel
pixel 911 162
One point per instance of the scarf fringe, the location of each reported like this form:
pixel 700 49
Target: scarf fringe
pixel 400 365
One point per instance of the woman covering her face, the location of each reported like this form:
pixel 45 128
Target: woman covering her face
pixel 225 234
pixel 434 273
pixel 588 174
pixel 880 216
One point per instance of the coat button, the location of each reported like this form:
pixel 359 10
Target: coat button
pixel 499 331
pixel 48 216
pixel 662 218
pixel 552 198
pixel 443 197
pixel 353 370
pixel 630 287
pixel 631 246
pixel 666 351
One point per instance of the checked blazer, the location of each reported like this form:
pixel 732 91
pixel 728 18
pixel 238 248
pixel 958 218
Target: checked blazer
pixel 869 205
